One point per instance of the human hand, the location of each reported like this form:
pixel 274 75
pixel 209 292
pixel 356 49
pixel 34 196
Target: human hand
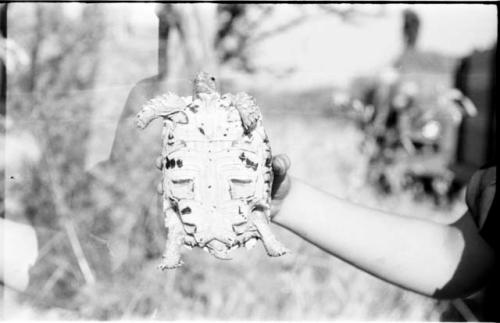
pixel 281 182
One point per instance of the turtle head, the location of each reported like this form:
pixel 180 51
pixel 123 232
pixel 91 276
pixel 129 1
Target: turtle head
pixel 203 83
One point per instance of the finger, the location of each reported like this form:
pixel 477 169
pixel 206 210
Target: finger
pixel 281 163
pixel 159 162
pixel 159 188
pixel 280 188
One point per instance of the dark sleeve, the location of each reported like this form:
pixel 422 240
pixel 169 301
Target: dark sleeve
pixel 472 193
pixel 481 202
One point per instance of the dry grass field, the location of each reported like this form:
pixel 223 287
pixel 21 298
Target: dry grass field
pixel 121 234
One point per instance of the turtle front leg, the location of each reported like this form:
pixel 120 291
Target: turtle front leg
pixel 273 247
pixel 175 239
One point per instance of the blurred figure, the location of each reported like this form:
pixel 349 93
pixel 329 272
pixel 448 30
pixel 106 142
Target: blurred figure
pixel 18 253
pixel 411 140
pixel 18 241
pixel 411 26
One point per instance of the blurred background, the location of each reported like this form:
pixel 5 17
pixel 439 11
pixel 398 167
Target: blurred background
pixel 392 106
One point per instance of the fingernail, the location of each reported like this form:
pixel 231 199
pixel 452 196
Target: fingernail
pixel 281 164
pixel 286 160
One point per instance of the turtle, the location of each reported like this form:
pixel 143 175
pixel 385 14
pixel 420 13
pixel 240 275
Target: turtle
pixel 217 174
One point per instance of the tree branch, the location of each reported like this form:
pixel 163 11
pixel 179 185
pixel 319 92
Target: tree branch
pixel 282 28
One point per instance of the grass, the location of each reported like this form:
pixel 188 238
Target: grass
pixel 121 234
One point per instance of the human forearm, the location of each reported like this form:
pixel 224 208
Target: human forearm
pixel 416 254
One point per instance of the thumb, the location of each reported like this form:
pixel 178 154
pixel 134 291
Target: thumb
pixel 281 165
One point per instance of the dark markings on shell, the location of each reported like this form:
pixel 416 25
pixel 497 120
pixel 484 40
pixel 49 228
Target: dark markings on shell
pixel 201 130
pixel 251 164
pixel 169 163
pixel 179 163
pixel 186 210
pixel 193 107
pixel 248 162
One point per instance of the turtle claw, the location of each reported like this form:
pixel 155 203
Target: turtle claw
pixel 274 248
pixel 166 264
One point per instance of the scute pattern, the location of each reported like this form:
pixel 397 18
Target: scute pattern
pixel 217 172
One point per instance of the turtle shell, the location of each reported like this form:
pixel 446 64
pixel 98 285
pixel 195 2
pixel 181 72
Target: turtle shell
pixel 217 173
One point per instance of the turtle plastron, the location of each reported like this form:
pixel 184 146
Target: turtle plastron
pixel 217 172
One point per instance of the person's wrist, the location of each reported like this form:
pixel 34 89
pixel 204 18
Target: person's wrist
pixel 278 216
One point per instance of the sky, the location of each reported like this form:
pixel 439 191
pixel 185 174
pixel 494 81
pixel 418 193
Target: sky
pixel 325 49
pixel 329 50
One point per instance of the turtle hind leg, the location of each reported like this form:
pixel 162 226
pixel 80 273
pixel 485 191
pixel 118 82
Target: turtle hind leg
pixel 171 258
pixel 175 239
pixel 170 262
pixel 273 247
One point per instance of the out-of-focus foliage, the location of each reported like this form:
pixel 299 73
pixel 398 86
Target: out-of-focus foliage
pixel 48 99
pixel 241 28
pixel 63 51
pixel 237 27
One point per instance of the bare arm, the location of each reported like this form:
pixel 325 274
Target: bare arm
pixel 439 260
